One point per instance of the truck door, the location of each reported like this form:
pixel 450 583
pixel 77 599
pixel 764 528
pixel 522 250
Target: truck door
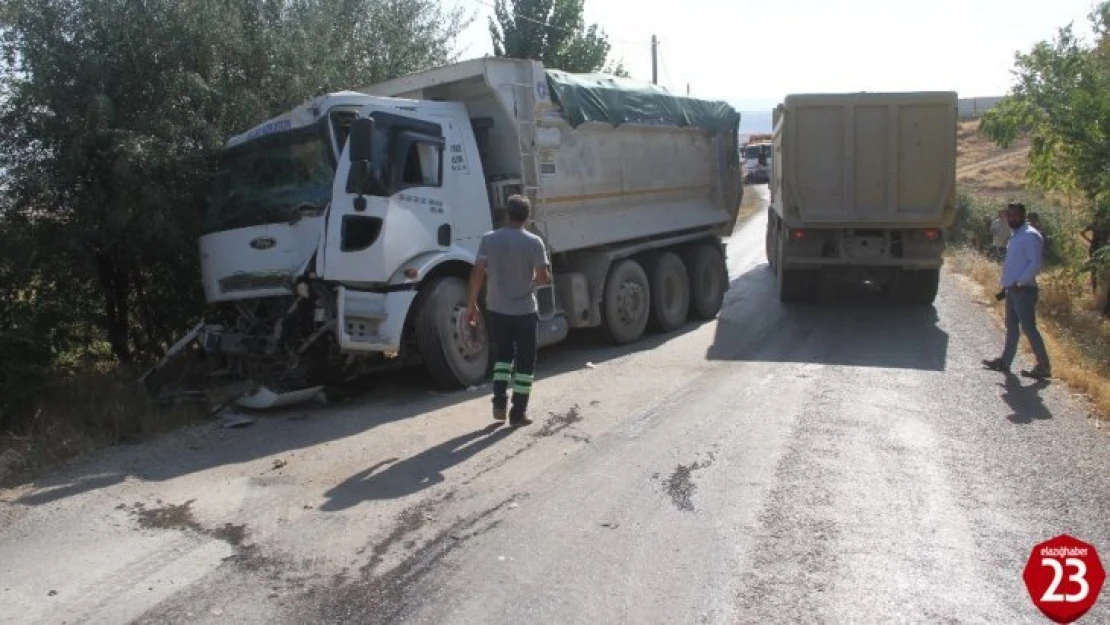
pixel 401 214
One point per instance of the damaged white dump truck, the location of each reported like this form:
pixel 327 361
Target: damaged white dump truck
pixel 340 235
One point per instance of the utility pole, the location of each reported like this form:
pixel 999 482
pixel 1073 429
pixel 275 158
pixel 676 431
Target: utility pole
pixel 687 88
pixel 654 61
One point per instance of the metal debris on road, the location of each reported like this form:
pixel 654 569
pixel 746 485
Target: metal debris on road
pixel 233 419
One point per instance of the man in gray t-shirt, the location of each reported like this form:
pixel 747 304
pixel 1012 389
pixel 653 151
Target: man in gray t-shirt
pixel 515 261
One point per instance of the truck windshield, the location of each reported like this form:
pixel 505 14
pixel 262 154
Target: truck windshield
pixel 270 180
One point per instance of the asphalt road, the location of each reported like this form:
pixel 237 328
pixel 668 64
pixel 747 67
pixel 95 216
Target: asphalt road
pixel 849 462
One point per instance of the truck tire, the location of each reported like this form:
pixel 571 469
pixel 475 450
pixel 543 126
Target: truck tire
pixel 670 292
pixel 798 286
pixel 917 287
pixel 772 238
pixel 626 303
pixel 452 357
pixel 708 281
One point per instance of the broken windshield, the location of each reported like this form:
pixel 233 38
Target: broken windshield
pixel 277 178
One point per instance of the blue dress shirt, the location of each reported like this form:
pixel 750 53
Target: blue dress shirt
pixel 1024 257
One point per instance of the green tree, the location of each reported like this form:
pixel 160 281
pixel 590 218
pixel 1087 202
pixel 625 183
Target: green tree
pixel 553 32
pixel 110 114
pixel 1061 100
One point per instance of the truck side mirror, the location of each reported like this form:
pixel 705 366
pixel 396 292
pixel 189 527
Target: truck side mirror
pixel 360 139
pixel 359 152
pixel 763 159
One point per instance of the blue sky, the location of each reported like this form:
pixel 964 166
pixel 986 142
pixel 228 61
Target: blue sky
pixel 754 53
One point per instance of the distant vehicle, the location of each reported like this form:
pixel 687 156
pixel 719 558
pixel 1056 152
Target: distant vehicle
pixel 757 156
pixel 864 187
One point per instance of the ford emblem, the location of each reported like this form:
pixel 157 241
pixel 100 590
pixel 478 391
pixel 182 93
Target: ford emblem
pixel 263 243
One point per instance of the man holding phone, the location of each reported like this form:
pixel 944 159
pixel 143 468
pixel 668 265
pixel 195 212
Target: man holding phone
pixel 1024 260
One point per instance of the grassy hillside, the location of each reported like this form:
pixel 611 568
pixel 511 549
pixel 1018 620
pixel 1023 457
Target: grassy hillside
pixel 986 170
pixel 1077 335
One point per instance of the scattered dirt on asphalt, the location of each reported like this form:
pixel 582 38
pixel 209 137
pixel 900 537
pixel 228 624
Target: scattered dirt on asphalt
pixel 556 422
pixel 386 597
pixel 180 517
pixel 680 485
pixel 230 533
pixel 167 517
pixel 409 522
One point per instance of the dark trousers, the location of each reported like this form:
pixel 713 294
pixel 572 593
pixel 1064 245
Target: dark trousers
pixel 514 359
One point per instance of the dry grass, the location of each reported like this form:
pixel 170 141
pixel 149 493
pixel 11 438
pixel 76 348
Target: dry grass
pixel 91 409
pixel 1077 338
pixel 987 170
pixel 748 205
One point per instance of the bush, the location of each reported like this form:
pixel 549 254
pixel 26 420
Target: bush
pixel 24 365
pixel 1061 227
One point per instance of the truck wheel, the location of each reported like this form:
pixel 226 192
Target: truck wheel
pixel 454 354
pixel 708 281
pixel 670 293
pixel 799 286
pixel 917 287
pixel 627 302
pixel 772 239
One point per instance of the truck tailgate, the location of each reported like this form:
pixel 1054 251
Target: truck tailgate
pixel 871 158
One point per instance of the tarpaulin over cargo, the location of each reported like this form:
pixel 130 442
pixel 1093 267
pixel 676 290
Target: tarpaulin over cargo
pixel 604 98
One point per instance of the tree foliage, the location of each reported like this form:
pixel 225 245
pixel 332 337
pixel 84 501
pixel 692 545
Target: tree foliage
pixel 553 32
pixel 110 114
pixel 1061 99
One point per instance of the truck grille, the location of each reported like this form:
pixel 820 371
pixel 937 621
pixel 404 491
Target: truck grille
pixel 256 282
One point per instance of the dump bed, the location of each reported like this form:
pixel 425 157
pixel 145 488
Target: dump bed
pixel 606 160
pixel 876 159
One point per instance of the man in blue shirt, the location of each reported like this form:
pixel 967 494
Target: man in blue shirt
pixel 1024 260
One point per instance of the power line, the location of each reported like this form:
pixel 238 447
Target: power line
pixel 546 25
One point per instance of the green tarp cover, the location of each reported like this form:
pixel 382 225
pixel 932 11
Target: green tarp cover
pixel 604 98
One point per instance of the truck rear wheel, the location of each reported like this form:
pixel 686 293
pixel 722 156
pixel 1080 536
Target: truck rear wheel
pixel 670 293
pixel 797 286
pixel 454 354
pixel 772 238
pixel 708 281
pixel 625 307
pixel 917 287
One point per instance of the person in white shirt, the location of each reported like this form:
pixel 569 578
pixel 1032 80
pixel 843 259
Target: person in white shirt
pixel 1000 234
pixel 1024 260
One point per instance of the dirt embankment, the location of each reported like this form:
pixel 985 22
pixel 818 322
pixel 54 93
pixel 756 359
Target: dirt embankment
pixel 987 170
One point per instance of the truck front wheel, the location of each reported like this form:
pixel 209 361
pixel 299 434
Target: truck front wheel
pixel 917 287
pixel 626 303
pixel 455 354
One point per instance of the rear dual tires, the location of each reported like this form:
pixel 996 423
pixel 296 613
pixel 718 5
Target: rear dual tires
pixel 708 281
pixel 670 293
pixel 626 304
pixel 799 286
pixel 916 287
pixel 674 288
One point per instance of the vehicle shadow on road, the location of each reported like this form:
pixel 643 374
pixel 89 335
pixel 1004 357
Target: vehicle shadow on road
pixel 379 400
pixel 1025 401
pixel 852 325
pixel 414 474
